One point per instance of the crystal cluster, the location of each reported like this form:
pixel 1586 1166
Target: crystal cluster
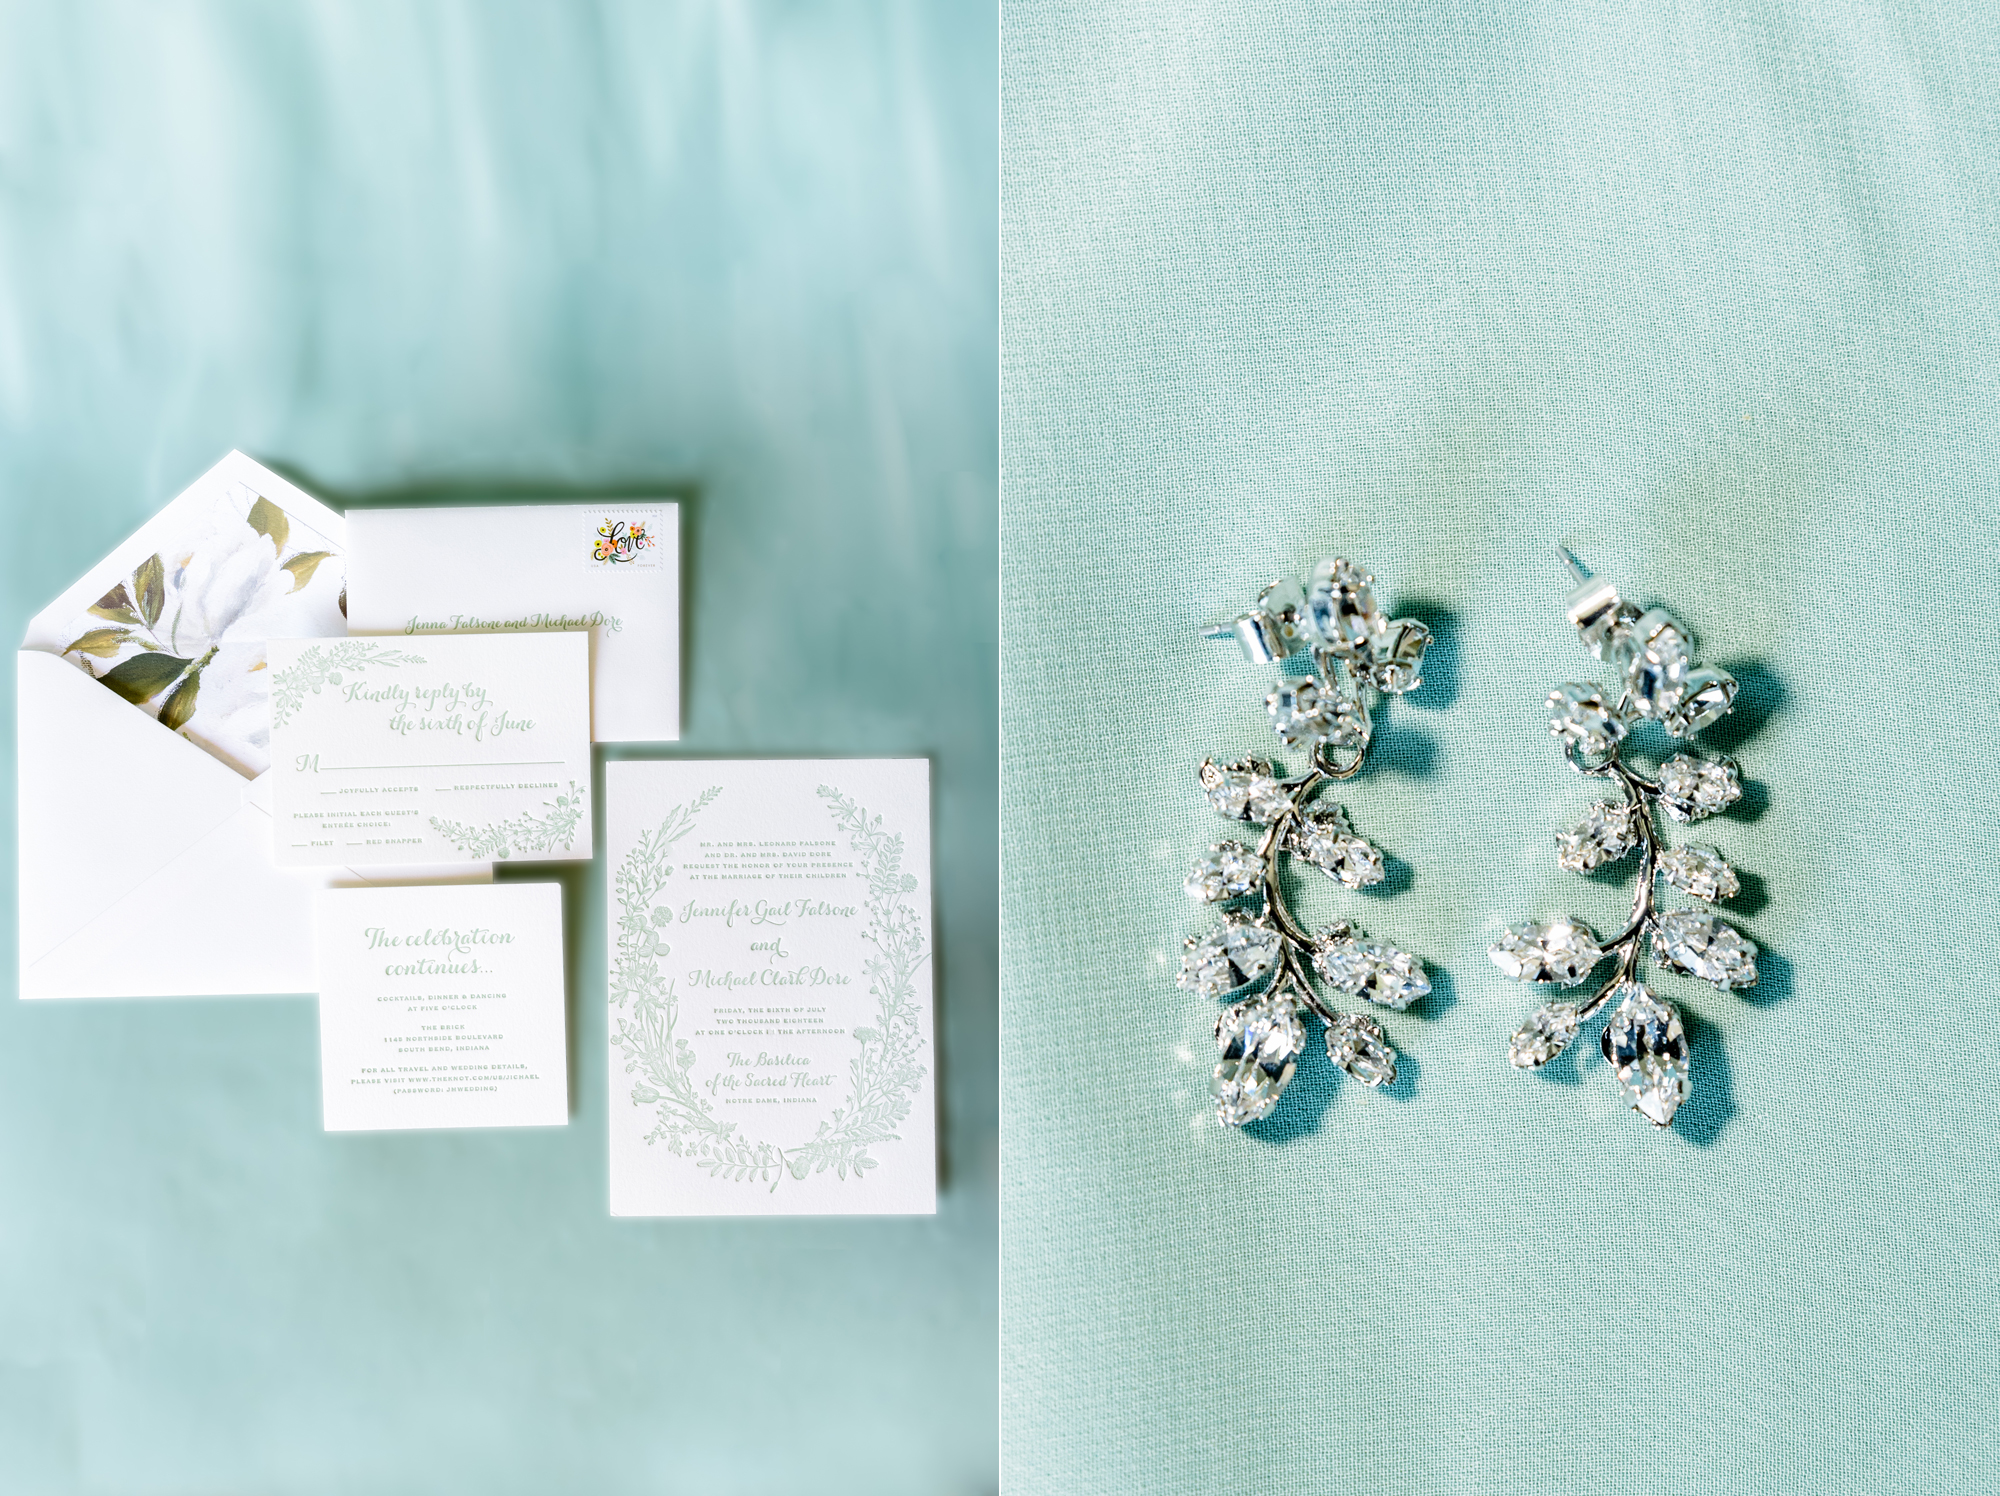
pixel 1229 871
pixel 1699 872
pixel 1360 1046
pixel 1546 1034
pixel 1306 713
pixel 1647 1047
pixel 1335 649
pixel 1235 955
pixel 1561 950
pixel 1244 791
pixel 1372 970
pixel 1702 945
pixel 1327 841
pixel 1691 788
pixel 1260 1039
pixel 1606 833
pixel 1653 653
pixel 1336 612
pixel 1583 721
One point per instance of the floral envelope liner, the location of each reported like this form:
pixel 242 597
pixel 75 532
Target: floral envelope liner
pixel 182 637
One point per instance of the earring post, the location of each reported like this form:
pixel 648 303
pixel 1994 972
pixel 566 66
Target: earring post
pixel 1577 569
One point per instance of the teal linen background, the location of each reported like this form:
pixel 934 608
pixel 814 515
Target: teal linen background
pixel 467 251
pixel 1707 292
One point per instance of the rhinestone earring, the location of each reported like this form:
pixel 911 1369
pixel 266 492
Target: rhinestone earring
pixel 1644 1041
pixel 1336 653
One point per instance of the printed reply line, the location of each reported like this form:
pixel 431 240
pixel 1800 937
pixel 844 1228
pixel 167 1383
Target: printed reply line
pixel 511 763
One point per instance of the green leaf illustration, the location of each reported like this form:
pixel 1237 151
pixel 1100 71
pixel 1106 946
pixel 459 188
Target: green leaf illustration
pixel 267 518
pixel 145 676
pixel 151 580
pixel 104 643
pixel 303 565
pixel 116 605
pixel 180 705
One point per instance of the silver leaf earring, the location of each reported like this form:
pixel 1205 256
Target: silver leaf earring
pixel 1336 652
pixel 1644 1041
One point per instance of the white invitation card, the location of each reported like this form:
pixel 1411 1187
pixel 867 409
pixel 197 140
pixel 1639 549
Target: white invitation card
pixel 472 748
pixel 442 1007
pixel 770 988
pixel 611 571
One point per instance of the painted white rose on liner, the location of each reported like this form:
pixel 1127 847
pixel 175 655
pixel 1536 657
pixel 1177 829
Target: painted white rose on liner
pixel 187 628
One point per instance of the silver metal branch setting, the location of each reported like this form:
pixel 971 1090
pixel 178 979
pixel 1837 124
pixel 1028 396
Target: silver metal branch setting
pixel 1339 654
pixel 1657 680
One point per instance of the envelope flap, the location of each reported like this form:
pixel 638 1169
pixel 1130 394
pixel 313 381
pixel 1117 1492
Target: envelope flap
pixel 107 797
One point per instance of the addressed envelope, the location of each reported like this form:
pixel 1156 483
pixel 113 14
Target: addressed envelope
pixel 145 853
pixel 610 570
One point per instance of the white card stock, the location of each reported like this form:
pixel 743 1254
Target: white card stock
pixel 472 747
pixel 442 1007
pixel 770 988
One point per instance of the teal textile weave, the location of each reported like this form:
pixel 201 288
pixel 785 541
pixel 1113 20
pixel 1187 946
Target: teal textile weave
pixel 1710 293
pixel 474 252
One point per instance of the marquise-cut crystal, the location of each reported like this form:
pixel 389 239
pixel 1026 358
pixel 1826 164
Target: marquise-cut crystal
pixel 1581 718
pixel 1235 955
pixel 1340 607
pixel 1545 1035
pixel 1260 1039
pixel 1358 1045
pixel 1700 871
pixel 1229 871
pixel 1706 946
pixel 1655 654
pixel 1396 656
pixel 1647 1046
pixel 1691 788
pixel 1372 970
pixel 1709 695
pixel 1605 834
pixel 1245 790
pixel 1561 950
pixel 1325 840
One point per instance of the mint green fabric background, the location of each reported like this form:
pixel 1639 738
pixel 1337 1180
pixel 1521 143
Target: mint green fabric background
pixel 744 255
pixel 1712 294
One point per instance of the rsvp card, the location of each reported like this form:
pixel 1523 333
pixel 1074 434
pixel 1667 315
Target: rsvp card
pixel 611 571
pixel 464 748
pixel 770 988
pixel 442 1007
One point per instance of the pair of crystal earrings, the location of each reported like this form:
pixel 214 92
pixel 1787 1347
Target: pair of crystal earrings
pixel 1338 654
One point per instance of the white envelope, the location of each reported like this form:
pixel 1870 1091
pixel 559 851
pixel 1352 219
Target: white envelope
pixel 612 570
pixel 146 866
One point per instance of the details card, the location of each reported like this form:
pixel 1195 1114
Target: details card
pixel 459 748
pixel 770 988
pixel 611 571
pixel 442 1007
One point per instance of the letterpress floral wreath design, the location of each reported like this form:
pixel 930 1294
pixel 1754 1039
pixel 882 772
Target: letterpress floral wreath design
pixel 183 634
pixel 885 1073
pixel 526 832
pixel 1644 1041
pixel 321 665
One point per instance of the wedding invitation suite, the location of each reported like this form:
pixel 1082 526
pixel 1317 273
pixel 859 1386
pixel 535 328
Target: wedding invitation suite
pixel 770 988
pixel 442 1007
pixel 612 571
pixel 470 747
